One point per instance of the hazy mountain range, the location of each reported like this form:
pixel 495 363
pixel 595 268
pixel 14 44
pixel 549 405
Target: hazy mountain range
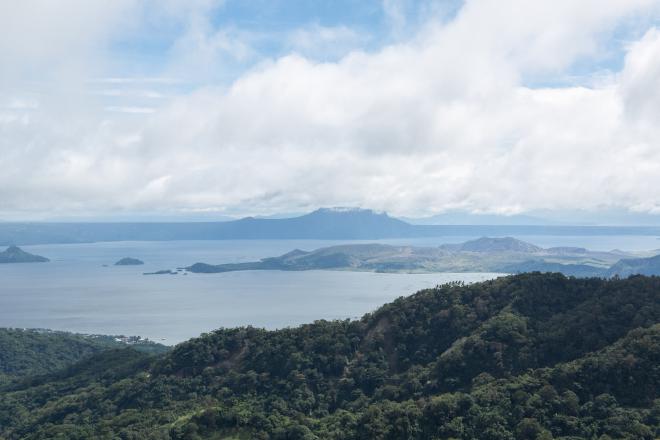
pixel 575 217
pixel 326 223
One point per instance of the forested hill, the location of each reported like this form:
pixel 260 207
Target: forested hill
pixel 25 352
pixel 532 356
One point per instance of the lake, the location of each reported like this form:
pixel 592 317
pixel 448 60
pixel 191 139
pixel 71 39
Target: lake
pixel 75 292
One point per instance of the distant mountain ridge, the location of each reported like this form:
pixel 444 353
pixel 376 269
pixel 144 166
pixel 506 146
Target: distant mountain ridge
pixel 325 223
pixel 322 224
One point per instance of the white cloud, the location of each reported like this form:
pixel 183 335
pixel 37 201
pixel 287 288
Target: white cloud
pixel 42 38
pixel 322 42
pixel 130 109
pixel 396 14
pixel 439 122
pixel 640 79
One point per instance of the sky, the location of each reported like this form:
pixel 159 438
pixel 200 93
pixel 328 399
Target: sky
pixel 212 108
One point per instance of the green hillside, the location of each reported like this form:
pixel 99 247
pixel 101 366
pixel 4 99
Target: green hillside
pixel 29 352
pixel 532 356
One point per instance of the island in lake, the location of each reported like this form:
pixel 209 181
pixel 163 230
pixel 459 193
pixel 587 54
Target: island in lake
pixel 14 254
pixel 128 261
pixel 505 255
pixel 162 272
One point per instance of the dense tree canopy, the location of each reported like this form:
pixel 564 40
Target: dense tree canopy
pixel 30 352
pixel 532 356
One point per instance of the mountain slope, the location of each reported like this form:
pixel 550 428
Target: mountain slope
pixel 527 356
pixel 328 223
pixel 496 244
pixel 636 266
pixel 325 223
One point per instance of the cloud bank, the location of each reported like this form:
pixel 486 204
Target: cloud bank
pixel 477 113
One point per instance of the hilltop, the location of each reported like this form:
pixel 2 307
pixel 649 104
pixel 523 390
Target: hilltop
pixel 533 356
pixel 490 244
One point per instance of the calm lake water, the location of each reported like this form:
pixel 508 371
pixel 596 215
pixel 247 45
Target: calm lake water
pixel 75 292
